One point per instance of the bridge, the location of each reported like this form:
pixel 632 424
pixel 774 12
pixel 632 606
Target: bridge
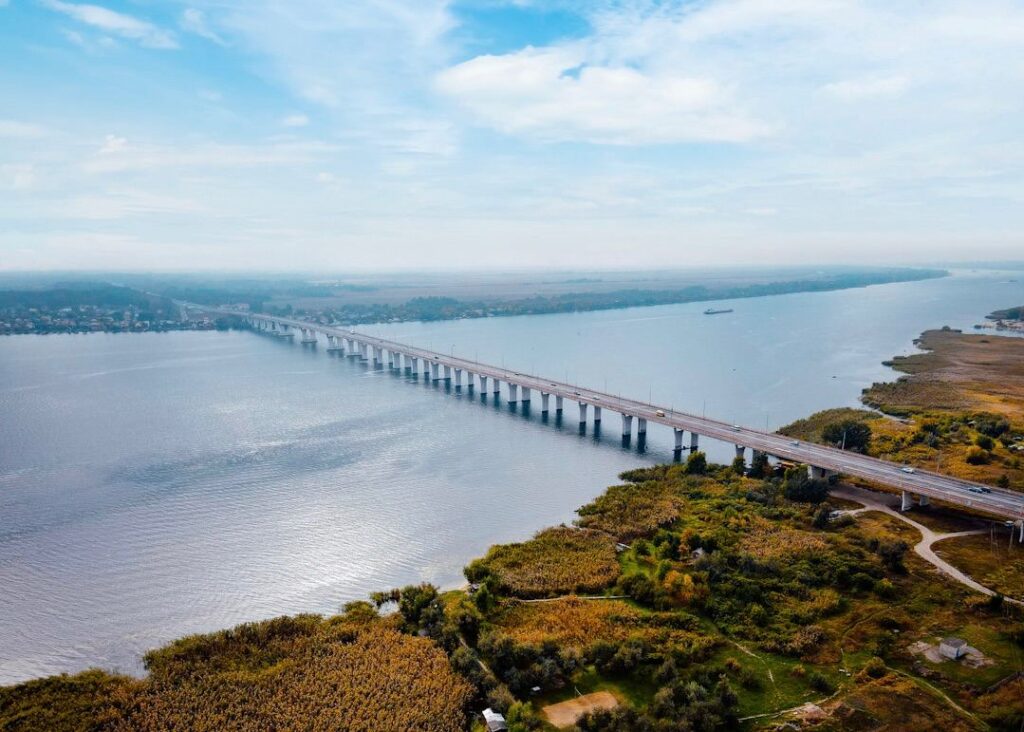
pixel 822 461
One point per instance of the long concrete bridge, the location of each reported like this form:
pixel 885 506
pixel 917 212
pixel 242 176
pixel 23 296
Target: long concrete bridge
pixel 591 404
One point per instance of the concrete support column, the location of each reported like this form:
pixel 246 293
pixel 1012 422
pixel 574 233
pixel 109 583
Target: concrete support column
pixel 906 501
pixel 496 387
pixel 364 351
pixel 812 471
pixel 544 403
pixel 694 439
pixel 447 373
pixel 458 378
pixel 391 359
pixel 923 500
pixel 597 415
pixel 741 452
pixel 435 370
pixel 378 356
pixel 627 425
pixel 483 384
pixel 470 378
pixel 513 393
pixel 414 363
pixel 558 404
pixel 641 426
pixel 679 439
pixel 583 412
pixel 526 394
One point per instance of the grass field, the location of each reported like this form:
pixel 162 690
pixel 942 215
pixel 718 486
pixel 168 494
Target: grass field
pixel 990 559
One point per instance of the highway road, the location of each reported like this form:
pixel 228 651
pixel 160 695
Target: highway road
pixel 989 499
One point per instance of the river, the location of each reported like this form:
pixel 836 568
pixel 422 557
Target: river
pixel 155 485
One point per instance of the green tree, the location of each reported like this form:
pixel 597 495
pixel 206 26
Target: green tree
pixel 759 466
pixel 697 463
pixel 739 465
pixel 849 434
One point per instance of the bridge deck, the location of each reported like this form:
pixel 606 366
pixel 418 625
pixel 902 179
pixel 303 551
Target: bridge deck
pixel 1000 502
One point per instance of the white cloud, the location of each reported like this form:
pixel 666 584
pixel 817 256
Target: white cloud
pixel 856 89
pixel 295 120
pixel 557 94
pixel 112 144
pixel 20 130
pixel 120 204
pixel 194 20
pixel 116 155
pixel 119 24
pixel 18 176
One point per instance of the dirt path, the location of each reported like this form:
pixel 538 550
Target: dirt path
pixel 879 502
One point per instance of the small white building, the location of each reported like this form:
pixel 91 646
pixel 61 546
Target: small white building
pixel 952 648
pixel 494 721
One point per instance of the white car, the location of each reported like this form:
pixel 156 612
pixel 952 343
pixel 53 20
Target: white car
pixel 907 469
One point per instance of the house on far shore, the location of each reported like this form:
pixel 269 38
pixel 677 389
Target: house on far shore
pixel 494 721
pixel 952 648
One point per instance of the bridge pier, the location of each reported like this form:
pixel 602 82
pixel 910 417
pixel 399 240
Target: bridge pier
pixel 923 500
pixel 525 398
pixel 483 383
pixel 694 438
pixel 435 371
pixel 812 471
pixel 513 393
pixel 470 378
pixel 597 414
pixel 678 434
pixel 641 426
pixel 906 501
pixel 627 426
pixel 364 351
pixel 583 413
pixel 544 398
pixel 496 387
pixel 558 404
pixel 308 336
pixel 741 452
pixel 458 379
pixel 447 373
pixel 413 366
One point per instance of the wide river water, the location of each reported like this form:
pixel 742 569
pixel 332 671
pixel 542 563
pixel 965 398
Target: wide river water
pixel 155 485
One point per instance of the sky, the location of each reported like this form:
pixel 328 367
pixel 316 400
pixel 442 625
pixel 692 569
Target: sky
pixel 354 135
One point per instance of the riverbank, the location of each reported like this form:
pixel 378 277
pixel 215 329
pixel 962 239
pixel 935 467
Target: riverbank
pixel 742 599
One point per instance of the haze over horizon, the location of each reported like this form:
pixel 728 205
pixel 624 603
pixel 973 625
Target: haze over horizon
pixel 515 135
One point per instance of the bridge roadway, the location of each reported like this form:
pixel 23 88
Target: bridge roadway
pixel 922 483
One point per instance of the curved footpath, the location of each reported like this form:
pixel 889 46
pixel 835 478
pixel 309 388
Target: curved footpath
pixel 872 501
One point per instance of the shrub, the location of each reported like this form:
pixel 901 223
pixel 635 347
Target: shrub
pixel 984 442
pixel 819 683
pixel 556 561
pixel 697 464
pixel 632 510
pixel 976 455
pixel 875 668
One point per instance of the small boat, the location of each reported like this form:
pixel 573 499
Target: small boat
pixel 712 311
